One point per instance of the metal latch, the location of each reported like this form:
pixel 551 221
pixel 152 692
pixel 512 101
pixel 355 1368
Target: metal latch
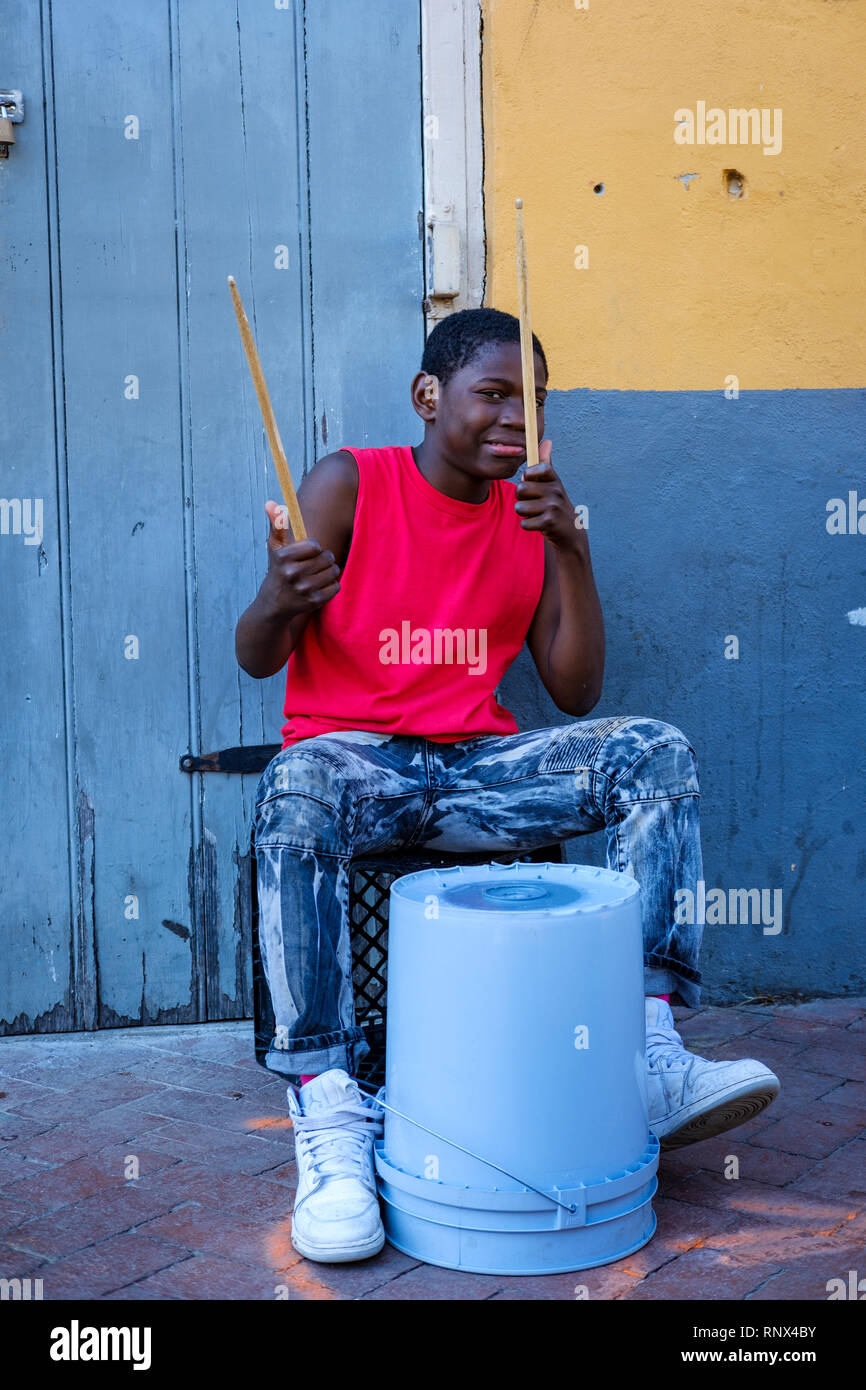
pixel 444 265
pixel 11 113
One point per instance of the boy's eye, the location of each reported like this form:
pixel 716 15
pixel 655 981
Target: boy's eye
pixel 492 392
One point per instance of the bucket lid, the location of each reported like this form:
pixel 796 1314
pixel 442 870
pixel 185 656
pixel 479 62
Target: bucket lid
pixel 540 889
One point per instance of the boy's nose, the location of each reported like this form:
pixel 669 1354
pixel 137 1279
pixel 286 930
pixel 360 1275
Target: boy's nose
pixel 511 419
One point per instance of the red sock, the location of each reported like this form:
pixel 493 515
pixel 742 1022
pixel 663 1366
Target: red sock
pixel 665 997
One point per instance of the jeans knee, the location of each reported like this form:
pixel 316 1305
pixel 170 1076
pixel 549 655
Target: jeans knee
pixel 663 762
pixel 304 792
pixel 669 733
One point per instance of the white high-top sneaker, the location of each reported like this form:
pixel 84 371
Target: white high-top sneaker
pixel 336 1215
pixel 691 1098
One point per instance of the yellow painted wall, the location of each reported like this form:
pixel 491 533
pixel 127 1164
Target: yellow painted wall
pixel 685 285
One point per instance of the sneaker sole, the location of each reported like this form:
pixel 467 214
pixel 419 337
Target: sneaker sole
pixel 339 1254
pixel 690 1127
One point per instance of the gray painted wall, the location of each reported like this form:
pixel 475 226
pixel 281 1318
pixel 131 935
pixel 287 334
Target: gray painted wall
pixel 708 519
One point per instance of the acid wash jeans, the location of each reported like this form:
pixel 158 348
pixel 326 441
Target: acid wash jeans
pixel 324 800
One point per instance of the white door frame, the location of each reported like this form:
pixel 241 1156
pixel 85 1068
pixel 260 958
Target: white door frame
pixel 453 155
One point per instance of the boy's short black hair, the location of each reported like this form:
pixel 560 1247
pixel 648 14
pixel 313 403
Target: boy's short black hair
pixel 459 337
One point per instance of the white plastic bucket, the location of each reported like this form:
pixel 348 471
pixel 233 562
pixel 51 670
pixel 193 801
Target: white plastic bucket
pixel 516 1135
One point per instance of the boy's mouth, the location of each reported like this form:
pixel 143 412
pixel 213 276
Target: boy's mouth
pixel 505 451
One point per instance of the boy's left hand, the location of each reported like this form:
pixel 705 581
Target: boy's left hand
pixel 544 502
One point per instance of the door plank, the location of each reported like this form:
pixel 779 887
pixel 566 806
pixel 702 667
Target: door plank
pixel 36 917
pixel 243 216
pixel 126 506
pixel 366 206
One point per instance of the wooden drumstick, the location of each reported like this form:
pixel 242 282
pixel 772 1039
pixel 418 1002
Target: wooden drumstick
pixel 296 521
pixel 527 359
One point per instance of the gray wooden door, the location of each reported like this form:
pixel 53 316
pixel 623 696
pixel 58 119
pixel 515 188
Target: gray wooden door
pixel 164 147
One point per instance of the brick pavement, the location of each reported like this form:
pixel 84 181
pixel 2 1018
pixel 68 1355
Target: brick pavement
pixel 157 1164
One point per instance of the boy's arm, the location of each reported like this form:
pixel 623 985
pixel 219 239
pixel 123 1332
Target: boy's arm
pixel 566 636
pixel 301 574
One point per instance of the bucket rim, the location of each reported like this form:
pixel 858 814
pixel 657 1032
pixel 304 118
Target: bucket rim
pixel 446 877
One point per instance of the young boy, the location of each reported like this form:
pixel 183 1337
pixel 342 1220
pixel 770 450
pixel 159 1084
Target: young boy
pixel 427 572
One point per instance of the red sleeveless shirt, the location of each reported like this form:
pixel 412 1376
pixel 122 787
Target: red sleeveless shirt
pixel 435 601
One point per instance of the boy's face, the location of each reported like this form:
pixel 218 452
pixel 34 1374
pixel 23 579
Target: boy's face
pixel 477 420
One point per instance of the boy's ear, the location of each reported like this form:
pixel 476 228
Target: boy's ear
pixel 431 388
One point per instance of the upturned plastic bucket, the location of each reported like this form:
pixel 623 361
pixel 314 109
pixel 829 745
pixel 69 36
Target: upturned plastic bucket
pixel 516 1137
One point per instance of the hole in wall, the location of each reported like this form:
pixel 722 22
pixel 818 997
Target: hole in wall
pixel 598 188
pixel 735 183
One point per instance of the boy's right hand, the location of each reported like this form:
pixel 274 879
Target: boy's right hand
pixel 301 575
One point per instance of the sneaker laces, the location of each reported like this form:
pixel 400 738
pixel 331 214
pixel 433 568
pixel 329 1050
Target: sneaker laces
pixel 665 1045
pixel 337 1142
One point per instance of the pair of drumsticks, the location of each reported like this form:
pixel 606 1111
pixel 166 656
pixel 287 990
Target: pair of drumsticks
pixel 527 365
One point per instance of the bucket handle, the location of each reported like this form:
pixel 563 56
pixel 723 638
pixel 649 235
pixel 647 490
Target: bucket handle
pixel 570 1207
